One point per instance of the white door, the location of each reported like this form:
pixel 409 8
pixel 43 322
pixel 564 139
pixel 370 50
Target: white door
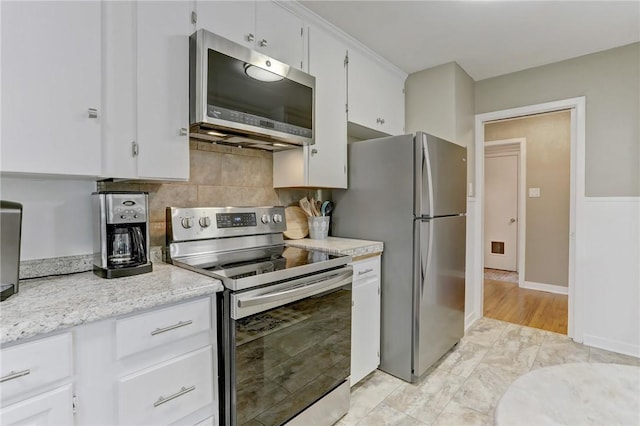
pixel 328 157
pixel 501 212
pixel 163 30
pixel 51 101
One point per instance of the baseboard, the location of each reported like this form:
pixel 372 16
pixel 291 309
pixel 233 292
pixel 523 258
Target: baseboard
pixel 550 288
pixel 612 345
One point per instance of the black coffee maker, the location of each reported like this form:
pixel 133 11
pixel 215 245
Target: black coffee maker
pixel 121 234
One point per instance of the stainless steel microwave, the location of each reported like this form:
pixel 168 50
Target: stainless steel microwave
pixel 242 97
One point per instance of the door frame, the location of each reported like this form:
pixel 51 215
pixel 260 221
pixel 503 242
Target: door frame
pixel 577 106
pixel 519 147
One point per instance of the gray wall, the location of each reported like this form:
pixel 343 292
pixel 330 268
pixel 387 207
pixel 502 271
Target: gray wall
pixel 439 101
pixel 548 140
pixel 610 81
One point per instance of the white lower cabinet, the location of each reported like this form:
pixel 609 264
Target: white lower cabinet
pixel 52 408
pixel 35 382
pixel 167 392
pixel 365 320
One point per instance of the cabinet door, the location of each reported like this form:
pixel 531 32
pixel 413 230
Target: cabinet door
pixel 163 30
pixel 365 321
pixel 376 98
pixel 118 81
pixel 50 79
pixel 328 157
pixel 392 90
pixel 279 34
pixel 52 408
pixel 234 20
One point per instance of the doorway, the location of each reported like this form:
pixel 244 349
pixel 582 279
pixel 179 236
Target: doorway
pixel 576 109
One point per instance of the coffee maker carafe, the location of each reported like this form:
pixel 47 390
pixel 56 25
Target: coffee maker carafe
pixel 121 234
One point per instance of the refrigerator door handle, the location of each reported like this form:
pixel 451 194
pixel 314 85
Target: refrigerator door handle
pixel 425 263
pixel 427 162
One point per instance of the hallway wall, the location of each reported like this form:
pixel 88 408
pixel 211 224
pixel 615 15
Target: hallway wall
pixel 548 168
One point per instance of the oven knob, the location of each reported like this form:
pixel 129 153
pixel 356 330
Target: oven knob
pixel 205 221
pixel 277 218
pixel 265 218
pixel 187 222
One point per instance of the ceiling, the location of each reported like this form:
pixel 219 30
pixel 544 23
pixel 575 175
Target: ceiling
pixel 486 38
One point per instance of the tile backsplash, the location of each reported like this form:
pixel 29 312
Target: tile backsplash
pixel 220 175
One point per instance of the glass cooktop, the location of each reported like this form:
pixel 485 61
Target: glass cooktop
pixel 249 268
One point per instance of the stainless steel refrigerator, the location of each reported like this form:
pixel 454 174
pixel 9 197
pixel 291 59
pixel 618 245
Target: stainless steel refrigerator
pixel 409 191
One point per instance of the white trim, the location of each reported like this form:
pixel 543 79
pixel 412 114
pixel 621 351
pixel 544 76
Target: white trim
pixel 577 191
pixel 549 288
pixel 612 345
pixel 521 144
pixel 471 316
pixel 610 200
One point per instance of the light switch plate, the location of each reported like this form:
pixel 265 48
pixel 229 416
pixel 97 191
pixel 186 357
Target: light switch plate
pixel 534 192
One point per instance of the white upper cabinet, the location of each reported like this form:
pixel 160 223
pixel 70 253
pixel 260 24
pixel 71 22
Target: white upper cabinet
pixel 163 30
pixel 260 25
pixel 146 90
pixel 51 99
pixel 323 164
pixel 376 95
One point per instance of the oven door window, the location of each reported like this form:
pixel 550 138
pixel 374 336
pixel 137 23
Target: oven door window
pixel 288 357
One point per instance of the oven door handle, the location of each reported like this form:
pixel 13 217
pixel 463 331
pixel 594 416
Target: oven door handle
pixel 282 297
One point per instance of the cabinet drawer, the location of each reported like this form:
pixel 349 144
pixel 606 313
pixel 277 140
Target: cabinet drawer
pixel 366 269
pixel 167 392
pixel 31 365
pixel 51 408
pixel 209 421
pixel 146 331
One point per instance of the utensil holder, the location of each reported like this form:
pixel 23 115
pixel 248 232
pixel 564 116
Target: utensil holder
pixel 319 227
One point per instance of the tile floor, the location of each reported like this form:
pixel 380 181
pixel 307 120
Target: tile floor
pixel 464 387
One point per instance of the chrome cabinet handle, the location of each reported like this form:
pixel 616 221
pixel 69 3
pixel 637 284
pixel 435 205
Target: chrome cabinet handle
pixel 250 37
pixel 181 392
pixel 14 375
pixel 171 327
pixel 93 113
pixel 263 43
pixel 314 151
pixel 366 271
pixel 184 131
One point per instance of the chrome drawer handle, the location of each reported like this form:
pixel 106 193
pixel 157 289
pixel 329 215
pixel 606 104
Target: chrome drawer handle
pixel 14 375
pixel 366 271
pixel 171 327
pixel 181 392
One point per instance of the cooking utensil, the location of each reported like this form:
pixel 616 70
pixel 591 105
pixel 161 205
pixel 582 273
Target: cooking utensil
pixel 328 209
pixel 314 207
pixel 297 224
pixel 323 208
pixel 305 206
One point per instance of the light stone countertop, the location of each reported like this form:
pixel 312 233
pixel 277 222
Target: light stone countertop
pixel 45 305
pixel 337 245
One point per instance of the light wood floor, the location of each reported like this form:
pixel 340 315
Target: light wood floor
pixel 538 309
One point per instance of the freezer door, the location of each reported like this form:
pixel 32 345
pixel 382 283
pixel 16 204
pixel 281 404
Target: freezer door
pixel 441 177
pixel 439 288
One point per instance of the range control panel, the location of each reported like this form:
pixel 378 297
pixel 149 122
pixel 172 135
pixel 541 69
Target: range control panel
pixel 185 224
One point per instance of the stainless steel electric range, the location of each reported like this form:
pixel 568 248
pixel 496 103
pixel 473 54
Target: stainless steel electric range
pixel 284 317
